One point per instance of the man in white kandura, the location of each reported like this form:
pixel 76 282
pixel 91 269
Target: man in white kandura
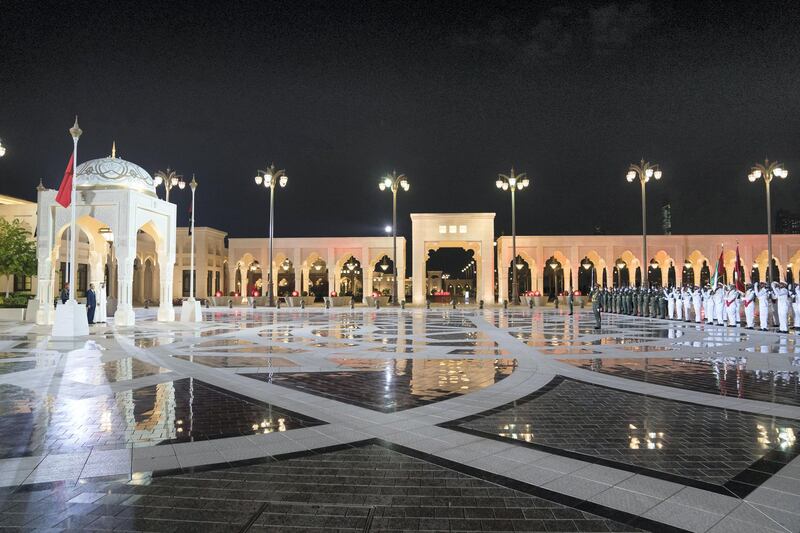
pixel 796 306
pixel 719 304
pixel 102 299
pixel 782 296
pixel 678 295
pixel 749 307
pixel 764 297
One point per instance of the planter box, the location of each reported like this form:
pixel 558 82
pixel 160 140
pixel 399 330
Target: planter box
pixel 538 301
pixel 30 312
pixel 338 301
pixel 294 301
pixel 370 300
pixel 13 313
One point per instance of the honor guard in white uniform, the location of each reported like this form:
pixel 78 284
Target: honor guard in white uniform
pixel 782 297
pixel 731 305
pixel 749 307
pixel 708 304
pixel 796 306
pixel 763 296
pixel 678 295
pixel 697 298
pixel 686 295
pixel 719 305
pixel 670 302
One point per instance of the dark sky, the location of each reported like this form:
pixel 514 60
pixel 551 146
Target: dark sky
pixel 451 93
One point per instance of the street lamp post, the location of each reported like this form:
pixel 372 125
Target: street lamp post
pixel 767 171
pixel 394 182
pixel 192 186
pixel 644 171
pixel 169 178
pixel 190 309
pixel 270 177
pixel 513 182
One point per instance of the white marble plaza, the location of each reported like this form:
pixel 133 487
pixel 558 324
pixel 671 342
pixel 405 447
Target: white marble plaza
pixel 645 424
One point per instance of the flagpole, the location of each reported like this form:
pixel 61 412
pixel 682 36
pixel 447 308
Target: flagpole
pixel 75 131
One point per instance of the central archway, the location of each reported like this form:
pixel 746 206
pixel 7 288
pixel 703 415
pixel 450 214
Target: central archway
pixel 470 231
pixel 452 271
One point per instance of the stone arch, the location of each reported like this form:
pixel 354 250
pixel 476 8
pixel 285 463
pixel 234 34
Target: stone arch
pixel 761 260
pixel 631 263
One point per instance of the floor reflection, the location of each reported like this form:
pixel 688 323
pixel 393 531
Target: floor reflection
pixel 720 375
pixel 692 441
pixel 102 373
pixel 236 361
pixel 404 384
pixel 175 411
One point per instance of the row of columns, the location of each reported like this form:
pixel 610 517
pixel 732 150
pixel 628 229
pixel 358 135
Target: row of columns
pixel 302 282
pixel 572 264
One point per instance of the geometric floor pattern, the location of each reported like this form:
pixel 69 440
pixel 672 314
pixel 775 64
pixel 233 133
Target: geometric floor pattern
pixel 468 419
pixel 669 439
pixel 365 488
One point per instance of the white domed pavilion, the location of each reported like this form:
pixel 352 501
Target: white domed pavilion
pixel 116 199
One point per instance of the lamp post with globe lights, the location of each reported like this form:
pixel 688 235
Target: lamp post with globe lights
pixel 169 178
pixel 270 178
pixel 767 171
pixel 394 182
pixel 644 171
pixel 513 182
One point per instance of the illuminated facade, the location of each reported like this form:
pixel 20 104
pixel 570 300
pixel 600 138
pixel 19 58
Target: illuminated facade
pixel 615 260
pixel 318 266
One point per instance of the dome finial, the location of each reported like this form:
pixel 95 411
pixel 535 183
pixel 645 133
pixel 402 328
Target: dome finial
pixel 40 187
pixel 113 149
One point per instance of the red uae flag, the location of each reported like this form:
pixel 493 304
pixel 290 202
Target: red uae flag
pixel 64 196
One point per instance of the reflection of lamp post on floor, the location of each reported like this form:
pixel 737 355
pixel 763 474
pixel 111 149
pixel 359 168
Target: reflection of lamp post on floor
pixel 190 311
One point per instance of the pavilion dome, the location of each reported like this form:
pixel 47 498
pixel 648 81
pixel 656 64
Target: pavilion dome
pixel 114 173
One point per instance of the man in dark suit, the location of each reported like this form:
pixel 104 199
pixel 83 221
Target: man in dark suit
pixel 91 303
pixel 64 293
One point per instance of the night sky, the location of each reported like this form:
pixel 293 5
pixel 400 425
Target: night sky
pixel 339 93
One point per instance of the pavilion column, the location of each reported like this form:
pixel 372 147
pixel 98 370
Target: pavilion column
pixel 166 313
pixel 45 283
pixel 96 263
pixel 126 255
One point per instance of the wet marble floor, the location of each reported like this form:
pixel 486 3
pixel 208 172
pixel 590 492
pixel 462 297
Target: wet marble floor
pixel 373 420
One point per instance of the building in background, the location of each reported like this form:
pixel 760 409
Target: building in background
pixel 787 222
